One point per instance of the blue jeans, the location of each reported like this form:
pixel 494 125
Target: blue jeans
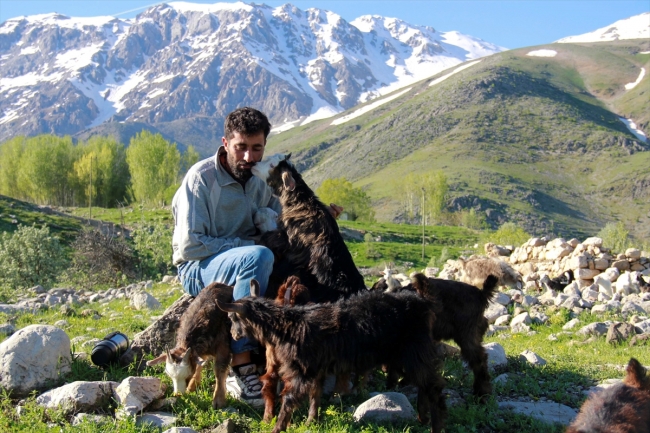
pixel 235 267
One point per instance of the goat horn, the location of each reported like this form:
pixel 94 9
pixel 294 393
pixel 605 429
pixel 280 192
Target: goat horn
pixel 287 296
pixel 255 288
pixel 231 307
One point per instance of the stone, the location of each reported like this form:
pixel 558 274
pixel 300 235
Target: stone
pixel 590 295
pixel 157 336
pixel 384 407
pixel 619 332
pixel 571 302
pixel 501 379
pixel 596 328
pixel 593 242
pixel 7 329
pixel 580 261
pixel 228 426
pixel 79 396
pixel 144 300
pixel 90 418
pixel 34 357
pixel 133 394
pixel 520 328
pixel 186 429
pixel 632 308
pixel 633 254
pixel 626 284
pixel 621 265
pixel 156 419
pixel 570 324
pixel 501 298
pixel 572 289
pixel 532 358
pixel 585 274
pixel 601 263
pixel 604 285
pixel 523 318
pixel 643 327
pixel 494 311
pixel 496 355
pixel 543 411
pixel 502 320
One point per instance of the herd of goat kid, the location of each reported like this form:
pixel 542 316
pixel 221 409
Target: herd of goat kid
pixel 317 318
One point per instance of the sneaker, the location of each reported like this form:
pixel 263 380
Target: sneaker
pixel 243 383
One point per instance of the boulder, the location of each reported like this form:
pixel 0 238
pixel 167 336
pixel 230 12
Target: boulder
pixel 386 406
pixel 544 411
pixel 618 332
pixel 494 311
pixel 136 393
pixel 596 328
pixel 532 358
pixel 34 357
pixel 496 355
pixel 144 301
pixel 79 396
pixel 156 419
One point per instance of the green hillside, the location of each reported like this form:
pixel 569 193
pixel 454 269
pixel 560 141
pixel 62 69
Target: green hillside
pixel 535 140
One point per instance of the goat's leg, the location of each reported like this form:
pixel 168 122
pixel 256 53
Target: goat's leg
pixel 195 381
pixel 221 365
pixel 290 400
pixel 315 392
pixel 431 404
pixel 475 355
pixel 269 389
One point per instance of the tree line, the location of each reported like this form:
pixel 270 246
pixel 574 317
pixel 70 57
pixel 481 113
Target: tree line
pixel 52 170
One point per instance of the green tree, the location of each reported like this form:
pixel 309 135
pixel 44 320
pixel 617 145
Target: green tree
pixel 154 164
pixel 430 189
pixel 46 170
pixel 615 236
pixel 355 201
pixel 189 158
pixel 110 172
pixel 472 220
pixel 11 152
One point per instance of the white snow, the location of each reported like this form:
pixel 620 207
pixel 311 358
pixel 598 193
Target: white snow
pixel 633 128
pixel 74 60
pixel 367 108
pixel 542 53
pixel 455 71
pixel 644 52
pixel 185 7
pixel 636 27
pixel 28 50
pixel 630 86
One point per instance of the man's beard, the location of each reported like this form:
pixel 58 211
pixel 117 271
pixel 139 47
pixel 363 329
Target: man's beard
pixel 240 174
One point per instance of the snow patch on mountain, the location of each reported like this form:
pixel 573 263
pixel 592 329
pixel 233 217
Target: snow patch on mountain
pixel 455 71
pixel 542 53
pixel 634 129
pixel 630 86
pixel 635 27
pixel 367 108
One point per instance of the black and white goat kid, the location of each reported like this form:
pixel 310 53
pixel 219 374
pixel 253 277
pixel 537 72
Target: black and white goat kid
pixel 307 242
pixel 360 333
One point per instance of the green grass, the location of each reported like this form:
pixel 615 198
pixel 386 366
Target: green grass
pixel 571 369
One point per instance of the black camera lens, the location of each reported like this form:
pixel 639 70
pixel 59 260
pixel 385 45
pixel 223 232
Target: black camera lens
pixel 109 349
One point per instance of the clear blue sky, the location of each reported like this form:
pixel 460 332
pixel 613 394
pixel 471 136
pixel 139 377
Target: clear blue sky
pixel 511 24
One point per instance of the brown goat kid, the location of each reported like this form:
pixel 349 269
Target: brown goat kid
pixel 476 270
pixel 365 331
pixel 459 317
pixel 203 334
pixel 622 408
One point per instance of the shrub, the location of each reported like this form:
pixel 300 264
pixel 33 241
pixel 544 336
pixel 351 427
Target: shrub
pixel 100 258
pixel 508 234
pixel 615 236
pixel 153 244
pixel 28 257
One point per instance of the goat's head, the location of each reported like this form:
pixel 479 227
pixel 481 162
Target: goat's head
pixel 275 171
pixel 237 310
pixel 179 366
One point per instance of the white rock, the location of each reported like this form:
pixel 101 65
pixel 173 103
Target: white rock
pixel 501 298
pixel 135 393
pixel 532 358
pixel 604 285
pixel 494 311
pixel 593 242
pixel 633 253
pixel 33 357
pixel 632 308
pixel 144 300
pixel 79 396
pixel 520 328
pixel 502 320
pixel 501 379
pixel 523 318
pixel 156 419
pixel 496 355
pixel 570 324
pixel 180 430
pixel 386 406
pixel 585 274
pixel 92 418
pixel 596 328
pixel 547 412
pixel 643 327
pixel 590 295
pixel 626 284
pixel 611 274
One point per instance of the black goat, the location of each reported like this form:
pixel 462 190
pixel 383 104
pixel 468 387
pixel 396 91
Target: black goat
pixel 644 286
pixel 356 334
pixel 203 334
pixel 622 408
pixel 560 282
pixel 460 316
pixel 307 242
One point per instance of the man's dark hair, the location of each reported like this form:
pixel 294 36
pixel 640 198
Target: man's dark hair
pixel 247 121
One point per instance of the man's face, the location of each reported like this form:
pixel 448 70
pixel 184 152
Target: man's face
pixel 243 151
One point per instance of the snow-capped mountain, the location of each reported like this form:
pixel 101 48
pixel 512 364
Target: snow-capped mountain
pixel 636 27
pixel 182 60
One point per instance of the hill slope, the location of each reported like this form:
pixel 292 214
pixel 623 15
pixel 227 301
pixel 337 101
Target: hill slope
pixel 521 137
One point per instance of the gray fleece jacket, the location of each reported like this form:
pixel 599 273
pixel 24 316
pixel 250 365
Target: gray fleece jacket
pixel 213 212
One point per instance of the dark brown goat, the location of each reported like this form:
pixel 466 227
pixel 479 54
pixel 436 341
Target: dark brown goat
pixel 307 242
pixel 622 408
pixel 356 334
pixel 460 317
pixel 203 334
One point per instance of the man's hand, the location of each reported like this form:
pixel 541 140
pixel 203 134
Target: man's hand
pixel 335 210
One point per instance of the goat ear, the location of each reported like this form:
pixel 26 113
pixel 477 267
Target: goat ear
pixel 186 356
pixel 287 156
pixel 287 181
pixel 158 360
pixel 255 288
pixel 287 296
pixel 200 361
pixel 635 374
pixel 231 307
